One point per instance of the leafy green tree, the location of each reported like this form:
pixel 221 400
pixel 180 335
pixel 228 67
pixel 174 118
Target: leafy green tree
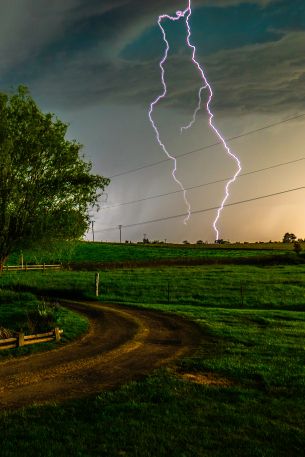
pixel 297 247
pixel 46 186
pixel 289 237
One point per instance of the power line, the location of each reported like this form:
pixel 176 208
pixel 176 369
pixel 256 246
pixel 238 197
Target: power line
pixel 249 132
pixel 176 216
pixel 204 184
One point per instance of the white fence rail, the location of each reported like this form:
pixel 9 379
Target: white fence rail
pixel 26 267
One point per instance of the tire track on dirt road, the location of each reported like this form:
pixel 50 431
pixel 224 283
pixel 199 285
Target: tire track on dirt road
pixel 122 344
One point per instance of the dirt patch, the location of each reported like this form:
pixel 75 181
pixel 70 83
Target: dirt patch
pixel 122 344
pixel 208 379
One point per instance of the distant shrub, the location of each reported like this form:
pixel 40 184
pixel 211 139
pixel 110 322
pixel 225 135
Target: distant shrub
pixel 6 333
pixel 43 318
pixel 297 247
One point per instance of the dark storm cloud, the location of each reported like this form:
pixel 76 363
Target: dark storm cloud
pixel 264 78
pixel 72 53
pixel 28 27
pixel 261 78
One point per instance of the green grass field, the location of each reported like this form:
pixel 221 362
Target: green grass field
pixel 234 286
pixel 253 351
pixel 80 252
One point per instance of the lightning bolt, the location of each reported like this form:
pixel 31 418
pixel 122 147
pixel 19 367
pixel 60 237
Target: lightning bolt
pixel 156 101
pixel 188 13
pixel 206 85
pixel 186 127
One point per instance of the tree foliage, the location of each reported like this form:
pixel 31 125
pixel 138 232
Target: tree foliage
pixel 289 237
pixel 297 247
pixel 46 186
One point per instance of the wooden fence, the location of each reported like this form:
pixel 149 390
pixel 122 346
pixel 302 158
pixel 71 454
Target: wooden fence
pixel 25 340
pixel 26 267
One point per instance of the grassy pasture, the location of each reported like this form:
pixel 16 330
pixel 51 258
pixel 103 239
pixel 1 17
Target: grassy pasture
pixel 255 407
pixel 249 394
pixel 84 252
pixel 226 286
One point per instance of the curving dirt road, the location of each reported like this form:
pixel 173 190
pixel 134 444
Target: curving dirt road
pixel 122 344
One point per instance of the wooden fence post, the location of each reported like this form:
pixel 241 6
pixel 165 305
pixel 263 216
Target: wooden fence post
pixel 241 294
pixel 168 289
pixel 20 339
pixel 97 283
pixel 57 334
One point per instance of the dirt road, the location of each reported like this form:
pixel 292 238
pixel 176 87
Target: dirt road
pixel 122 344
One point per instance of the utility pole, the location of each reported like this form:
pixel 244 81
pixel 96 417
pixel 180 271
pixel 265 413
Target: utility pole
pixel 120 228
pixel 92 225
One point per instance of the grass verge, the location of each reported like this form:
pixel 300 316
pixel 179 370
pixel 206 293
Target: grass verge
pixel 21 311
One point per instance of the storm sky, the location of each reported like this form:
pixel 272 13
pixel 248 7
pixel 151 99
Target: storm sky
pixel 95 64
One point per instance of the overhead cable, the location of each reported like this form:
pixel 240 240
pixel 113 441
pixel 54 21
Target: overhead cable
pixel 176 216
pixel 115 205
pixel 249 132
